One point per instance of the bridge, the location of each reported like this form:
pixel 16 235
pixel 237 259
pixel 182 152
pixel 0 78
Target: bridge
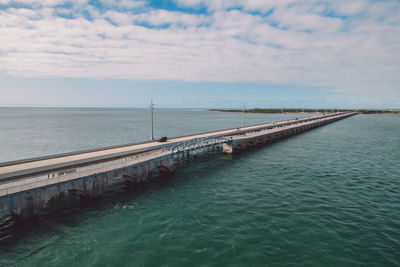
pixel 27 187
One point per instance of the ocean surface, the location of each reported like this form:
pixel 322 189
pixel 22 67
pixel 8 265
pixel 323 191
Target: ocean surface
pixel 327 197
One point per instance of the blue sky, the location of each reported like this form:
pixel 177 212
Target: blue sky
pixel 200 53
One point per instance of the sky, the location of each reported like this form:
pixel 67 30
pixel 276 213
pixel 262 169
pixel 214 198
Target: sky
pixel 200 53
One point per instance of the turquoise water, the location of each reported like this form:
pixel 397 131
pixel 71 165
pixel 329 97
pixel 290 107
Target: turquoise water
pixel 328 197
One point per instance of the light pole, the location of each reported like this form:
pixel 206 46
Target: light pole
pixel 243 116
pixel 151 117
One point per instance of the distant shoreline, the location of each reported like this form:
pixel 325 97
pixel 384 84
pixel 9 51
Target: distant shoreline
pixel 296 110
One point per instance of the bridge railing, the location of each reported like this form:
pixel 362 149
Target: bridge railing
pixel 195 143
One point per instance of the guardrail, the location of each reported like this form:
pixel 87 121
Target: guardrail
pixel 195 143
pixel 67 175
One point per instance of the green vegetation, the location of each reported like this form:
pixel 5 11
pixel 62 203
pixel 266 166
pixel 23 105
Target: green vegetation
pixel 298 110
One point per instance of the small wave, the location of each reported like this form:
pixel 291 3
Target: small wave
pixel 6 225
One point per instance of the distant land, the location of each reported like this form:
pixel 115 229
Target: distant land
pixel 300 110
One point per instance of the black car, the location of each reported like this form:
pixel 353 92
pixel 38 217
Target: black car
pixel 162 139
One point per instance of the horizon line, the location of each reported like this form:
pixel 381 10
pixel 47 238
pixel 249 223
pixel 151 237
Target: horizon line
pixel 202 108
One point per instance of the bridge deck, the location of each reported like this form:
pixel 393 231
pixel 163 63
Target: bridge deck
pixel 32 173
pixel 59 162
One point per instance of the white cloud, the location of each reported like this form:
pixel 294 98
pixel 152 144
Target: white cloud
pixel 160 17
pixel 344 7
pixel 253 5
pixel 295 44
pixel 123 3
pixel 36 3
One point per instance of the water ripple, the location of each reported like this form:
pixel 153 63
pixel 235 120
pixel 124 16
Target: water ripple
pixel 329 197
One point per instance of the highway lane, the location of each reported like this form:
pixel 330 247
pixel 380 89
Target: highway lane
pixel 10 171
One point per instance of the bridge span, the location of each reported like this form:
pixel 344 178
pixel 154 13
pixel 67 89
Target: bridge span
pixel 33 186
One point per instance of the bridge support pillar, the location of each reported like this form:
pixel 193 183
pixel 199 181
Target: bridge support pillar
pixel 228 148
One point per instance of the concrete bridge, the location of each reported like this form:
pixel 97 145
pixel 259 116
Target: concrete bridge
pixel 30 187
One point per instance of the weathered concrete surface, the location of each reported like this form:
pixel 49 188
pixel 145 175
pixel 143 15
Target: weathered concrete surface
pixel 44 199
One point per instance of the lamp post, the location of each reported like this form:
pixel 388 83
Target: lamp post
pixel 151 118
pixel 243 116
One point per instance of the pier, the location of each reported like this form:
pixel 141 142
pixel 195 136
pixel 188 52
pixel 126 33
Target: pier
pixel 27 187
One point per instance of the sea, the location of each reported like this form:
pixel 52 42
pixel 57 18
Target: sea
pixel 326 197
